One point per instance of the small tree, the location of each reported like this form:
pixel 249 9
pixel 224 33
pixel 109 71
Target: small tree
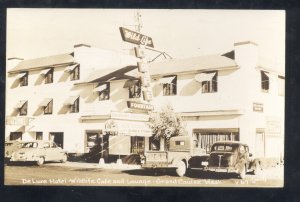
pixel 166 124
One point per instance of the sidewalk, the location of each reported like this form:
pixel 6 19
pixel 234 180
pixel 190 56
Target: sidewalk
pixel 96 165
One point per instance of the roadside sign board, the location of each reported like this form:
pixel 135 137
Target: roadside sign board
pixel 135 37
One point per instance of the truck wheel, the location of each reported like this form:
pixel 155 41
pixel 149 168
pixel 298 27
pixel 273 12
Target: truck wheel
pixel 41 161
pixel 181 168
pixel 242 172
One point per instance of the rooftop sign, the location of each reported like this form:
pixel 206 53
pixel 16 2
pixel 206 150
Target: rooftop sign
pixel 135 37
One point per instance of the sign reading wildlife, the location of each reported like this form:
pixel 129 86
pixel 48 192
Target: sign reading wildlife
pixel 135 37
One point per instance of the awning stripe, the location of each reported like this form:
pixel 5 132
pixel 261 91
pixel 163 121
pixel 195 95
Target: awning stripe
pixel 204 76
pixel 71 100
pixel 167 79
pixel 45 102
pixel 20 104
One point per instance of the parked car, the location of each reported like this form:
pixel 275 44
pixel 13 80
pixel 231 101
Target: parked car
pixel 39 152
pixel 180 152
pixel 10 147
pixel 232 157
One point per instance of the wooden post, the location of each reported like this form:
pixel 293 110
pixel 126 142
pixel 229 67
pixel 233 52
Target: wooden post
pixel 162 143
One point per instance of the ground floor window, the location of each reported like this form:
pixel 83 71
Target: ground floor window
pixel 207 137
pixel 154 144
pixel 15 136
pixel 96 141
pixel 137 145
pixel 39 136
pixel 58 138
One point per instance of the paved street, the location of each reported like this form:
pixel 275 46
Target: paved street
pixel 87 174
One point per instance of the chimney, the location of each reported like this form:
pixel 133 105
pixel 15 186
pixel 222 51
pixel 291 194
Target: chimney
pixel 246 54
pixel 13 62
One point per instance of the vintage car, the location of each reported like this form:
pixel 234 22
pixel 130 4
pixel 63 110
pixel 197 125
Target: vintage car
pixel 39 152
pixel 182 149
pixel 10 147
pixel 232 157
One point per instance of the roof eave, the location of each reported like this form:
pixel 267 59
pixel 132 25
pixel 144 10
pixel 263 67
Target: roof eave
pixel 40 67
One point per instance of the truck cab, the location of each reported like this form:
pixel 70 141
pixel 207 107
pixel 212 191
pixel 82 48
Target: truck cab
pixel 181 150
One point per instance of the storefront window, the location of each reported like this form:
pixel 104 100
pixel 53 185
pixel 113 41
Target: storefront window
pixel 137 145
pixel 15 136
pixel 92 139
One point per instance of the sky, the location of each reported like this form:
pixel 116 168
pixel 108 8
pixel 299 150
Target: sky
pixel 33 33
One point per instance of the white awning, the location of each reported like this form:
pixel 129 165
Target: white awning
pixel 21 75
pixel 129 83
pixel 167 79
pixel 101 87
pixel 204 76
pixel 20 104
pixel 71 100
pixel 45 71
pixel 45 102
pixel 71 68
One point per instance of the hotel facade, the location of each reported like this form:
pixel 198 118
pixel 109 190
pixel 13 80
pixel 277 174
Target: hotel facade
pixel 92 94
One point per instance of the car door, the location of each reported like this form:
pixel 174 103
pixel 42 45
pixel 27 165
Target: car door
pixel 45 151
pixel 56 152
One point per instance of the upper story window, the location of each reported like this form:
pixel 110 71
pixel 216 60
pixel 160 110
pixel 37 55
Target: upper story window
pixel 169 85
pixel 265 81
pixel 135 89
pixel 104 90
pixel 281 86
pixel 23 109
pixel 24 79
pixel 74 108
pixel 75 73
pixel 49 76
pixel 209 81
pixel 49 108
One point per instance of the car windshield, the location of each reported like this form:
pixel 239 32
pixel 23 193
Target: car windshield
pixel 222 147
pixel 30 145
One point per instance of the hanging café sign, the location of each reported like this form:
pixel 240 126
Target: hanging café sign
pixel 135 37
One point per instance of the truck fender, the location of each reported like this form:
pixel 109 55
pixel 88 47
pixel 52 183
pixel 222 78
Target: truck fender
pixel 180 158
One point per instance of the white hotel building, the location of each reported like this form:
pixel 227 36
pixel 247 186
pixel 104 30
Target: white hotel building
pixel 74 98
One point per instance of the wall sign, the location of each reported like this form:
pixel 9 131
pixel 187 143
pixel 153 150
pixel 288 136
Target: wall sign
pixel 138 105
pixel 258 107
pixel 135 37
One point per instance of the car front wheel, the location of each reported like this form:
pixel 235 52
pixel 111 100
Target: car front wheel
pixel 40 161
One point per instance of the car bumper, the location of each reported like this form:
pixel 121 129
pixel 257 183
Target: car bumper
pixel 222 169
pixel 24 159
pixel 157 165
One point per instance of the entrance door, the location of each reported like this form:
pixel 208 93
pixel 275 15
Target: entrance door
pixel 260 144
pixel 58 138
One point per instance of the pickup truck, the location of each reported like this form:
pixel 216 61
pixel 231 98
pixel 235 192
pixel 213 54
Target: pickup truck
pixel 181 150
